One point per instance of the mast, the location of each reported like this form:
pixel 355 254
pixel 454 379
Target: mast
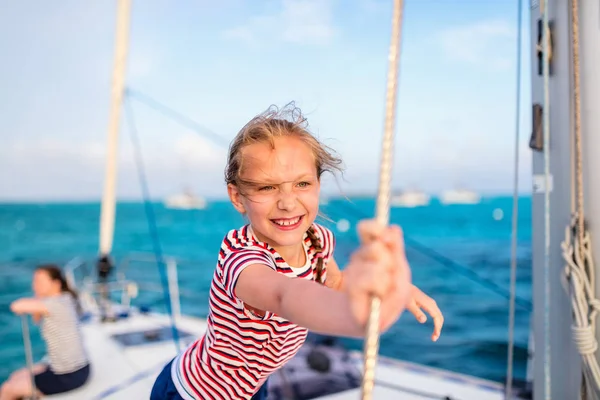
pixel 557 369
pixel 107 213
pixel 552 310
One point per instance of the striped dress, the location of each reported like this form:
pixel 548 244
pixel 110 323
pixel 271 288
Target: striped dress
pixel 241 349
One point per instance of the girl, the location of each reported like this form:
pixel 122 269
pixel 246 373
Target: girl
pixel 55 308
pixel 276 277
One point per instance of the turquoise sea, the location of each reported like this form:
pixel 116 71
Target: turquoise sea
pixel 446 245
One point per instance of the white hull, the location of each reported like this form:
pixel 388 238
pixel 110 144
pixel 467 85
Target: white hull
pixel 410 199
pixel 460 197
pixel 185 202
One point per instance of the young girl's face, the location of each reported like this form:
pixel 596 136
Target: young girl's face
pixel 43 285
pixel 282 199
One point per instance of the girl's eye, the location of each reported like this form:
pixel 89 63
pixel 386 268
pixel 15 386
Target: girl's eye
pixel 266 188
pixel 303 184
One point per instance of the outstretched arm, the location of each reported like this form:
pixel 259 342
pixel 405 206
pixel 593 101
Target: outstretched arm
pixel 29 306
pixel 378 267
pixel 298 300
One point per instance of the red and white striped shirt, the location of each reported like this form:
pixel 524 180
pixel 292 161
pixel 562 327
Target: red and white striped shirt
pixel 240 349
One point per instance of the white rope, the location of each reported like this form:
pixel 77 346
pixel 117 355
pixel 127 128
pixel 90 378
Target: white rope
pixel 383 197
pixel 578 277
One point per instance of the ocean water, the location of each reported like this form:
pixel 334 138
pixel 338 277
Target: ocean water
pixel 445 246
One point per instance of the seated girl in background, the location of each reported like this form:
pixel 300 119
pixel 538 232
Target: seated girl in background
pixel 56 309
pixel 276 277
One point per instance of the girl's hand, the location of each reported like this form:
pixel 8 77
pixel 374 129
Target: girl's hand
pixel 379 267
pixel 14 307
pixel 420 300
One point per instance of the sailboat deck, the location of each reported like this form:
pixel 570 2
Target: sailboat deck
pixel 127 356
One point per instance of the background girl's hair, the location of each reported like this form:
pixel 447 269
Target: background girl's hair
pixel 273 123
pixel 56 274
pixel 316 243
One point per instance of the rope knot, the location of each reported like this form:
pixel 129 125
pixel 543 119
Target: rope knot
pixel 594 304
pixel 584 339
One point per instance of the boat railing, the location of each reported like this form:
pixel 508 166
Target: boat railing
pixel 89 286
pixel 28 355
pixel 81 277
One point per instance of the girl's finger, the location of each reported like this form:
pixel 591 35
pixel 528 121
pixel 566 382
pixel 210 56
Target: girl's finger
pixel 436 314
pixel 415 310
pixel 369 229
pixel 371 278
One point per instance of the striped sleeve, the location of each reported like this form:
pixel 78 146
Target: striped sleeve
pixel 57 306
pixel 237 261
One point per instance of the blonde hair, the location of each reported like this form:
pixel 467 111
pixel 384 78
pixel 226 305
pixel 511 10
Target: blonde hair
pixel 265 128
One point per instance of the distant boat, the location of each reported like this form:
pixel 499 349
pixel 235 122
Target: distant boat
pixel 185 201
pixel 460 196
pixel 410 198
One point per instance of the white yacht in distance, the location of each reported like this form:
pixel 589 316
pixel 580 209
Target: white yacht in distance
pixel 460 196
pixel 410 198
pixel 185 201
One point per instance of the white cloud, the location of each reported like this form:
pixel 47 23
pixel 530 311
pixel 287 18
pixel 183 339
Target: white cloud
pixel 308 22
pixel 48 150
pixel 485 43
pixel 53 168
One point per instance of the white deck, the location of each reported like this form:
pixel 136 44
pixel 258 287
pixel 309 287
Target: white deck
pixel 402 380
pixel 131 370
pixel 128 372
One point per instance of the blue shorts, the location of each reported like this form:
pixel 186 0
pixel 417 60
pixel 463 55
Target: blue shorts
pixel 49 383
pixel 164 388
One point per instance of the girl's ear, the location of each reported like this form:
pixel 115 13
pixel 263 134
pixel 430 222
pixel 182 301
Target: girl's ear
pixel 236 198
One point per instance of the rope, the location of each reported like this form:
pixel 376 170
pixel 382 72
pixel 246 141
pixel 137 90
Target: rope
pixel 577 115
pixel 515 215
pixel 176 116
pixel 383 197
pixel 579 272
pixel 585 305
pixel 546 141
pixel 151 218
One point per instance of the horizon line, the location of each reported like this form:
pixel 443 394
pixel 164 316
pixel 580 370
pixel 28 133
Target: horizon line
pixel 139 200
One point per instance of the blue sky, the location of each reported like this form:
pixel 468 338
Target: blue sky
pixel 221 62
